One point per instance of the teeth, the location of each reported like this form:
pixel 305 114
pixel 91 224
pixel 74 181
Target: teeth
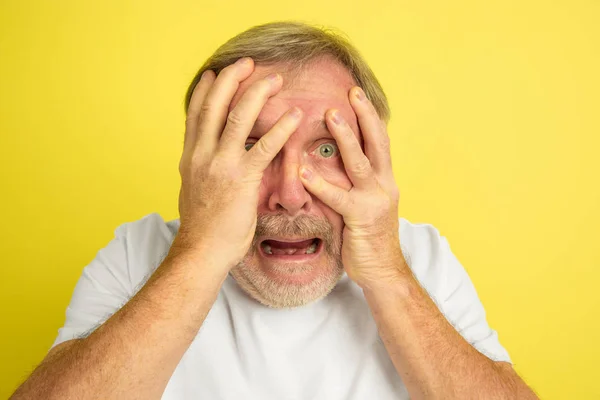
pixel 267 248
pixel 312 248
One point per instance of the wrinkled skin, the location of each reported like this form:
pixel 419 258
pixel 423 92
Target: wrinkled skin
pixel 285 207
pixel 241 180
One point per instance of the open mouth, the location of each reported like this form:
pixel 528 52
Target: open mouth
pixel 302 249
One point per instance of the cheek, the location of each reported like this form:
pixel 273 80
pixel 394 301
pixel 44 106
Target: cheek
pixel 337 223
pixel 333 171
pixel 336 220
pixel 262 189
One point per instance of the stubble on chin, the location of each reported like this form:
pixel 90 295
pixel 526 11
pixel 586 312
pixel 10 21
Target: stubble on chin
pixel 276 293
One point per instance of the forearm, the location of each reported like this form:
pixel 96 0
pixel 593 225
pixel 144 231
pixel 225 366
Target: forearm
pixel 134 353
pixel 432 358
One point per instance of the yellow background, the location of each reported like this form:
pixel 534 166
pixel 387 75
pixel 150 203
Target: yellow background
pixel 495 141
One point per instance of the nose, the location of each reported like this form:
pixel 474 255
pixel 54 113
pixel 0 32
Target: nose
pixel 287 193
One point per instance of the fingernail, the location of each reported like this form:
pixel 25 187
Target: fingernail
pixel 274 77
pixel 360 95
pixel 305 173
pixel 296 112
pixel 336 117
pixel 243 61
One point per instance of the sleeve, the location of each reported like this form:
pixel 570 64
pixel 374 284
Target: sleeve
pixel 103 288
pixel 462 308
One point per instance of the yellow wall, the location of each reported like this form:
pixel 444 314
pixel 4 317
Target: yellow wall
pixel 494 129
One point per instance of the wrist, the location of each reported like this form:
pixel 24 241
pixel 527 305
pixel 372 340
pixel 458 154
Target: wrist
pixel 388 275
pixel 197 261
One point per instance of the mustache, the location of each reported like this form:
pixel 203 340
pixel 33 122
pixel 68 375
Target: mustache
pixel 303 225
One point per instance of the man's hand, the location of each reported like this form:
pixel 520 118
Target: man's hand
pixel 371 246
pixel 218 206
pixel 430 356
pixel 218 200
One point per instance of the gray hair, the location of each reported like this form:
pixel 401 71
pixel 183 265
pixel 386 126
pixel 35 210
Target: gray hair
pixel 295 44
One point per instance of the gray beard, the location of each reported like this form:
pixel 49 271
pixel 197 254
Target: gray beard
pixel 275 294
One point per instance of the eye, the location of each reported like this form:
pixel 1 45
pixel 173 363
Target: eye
pixel 327 150
pixel 248 146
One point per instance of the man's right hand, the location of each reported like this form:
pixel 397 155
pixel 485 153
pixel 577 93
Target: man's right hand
pixel 218 205
pixel 218 199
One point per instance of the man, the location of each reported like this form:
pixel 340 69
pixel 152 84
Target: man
pixel 289 274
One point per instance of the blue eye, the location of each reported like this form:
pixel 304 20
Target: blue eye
pixel 248 146
pixel 327 150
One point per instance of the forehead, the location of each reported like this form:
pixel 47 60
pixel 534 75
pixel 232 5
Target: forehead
pixel 321 85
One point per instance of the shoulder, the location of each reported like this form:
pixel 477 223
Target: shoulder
pixel 151 226
pixel 427 253
pixel 421 244
pixel 146 242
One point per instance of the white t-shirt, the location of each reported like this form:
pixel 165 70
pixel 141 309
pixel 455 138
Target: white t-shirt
pixel 329 349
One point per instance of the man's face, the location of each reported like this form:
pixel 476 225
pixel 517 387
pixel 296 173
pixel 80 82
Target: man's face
pixel 287 212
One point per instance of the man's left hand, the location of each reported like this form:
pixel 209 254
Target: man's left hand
pixel 371 251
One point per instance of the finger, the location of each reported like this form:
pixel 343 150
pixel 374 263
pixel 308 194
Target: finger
pixel 262 153
pixel 335 197
pixel 356 163
pixel 243 117
pixel 215 108
pixel 191 121
pixel 374 131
